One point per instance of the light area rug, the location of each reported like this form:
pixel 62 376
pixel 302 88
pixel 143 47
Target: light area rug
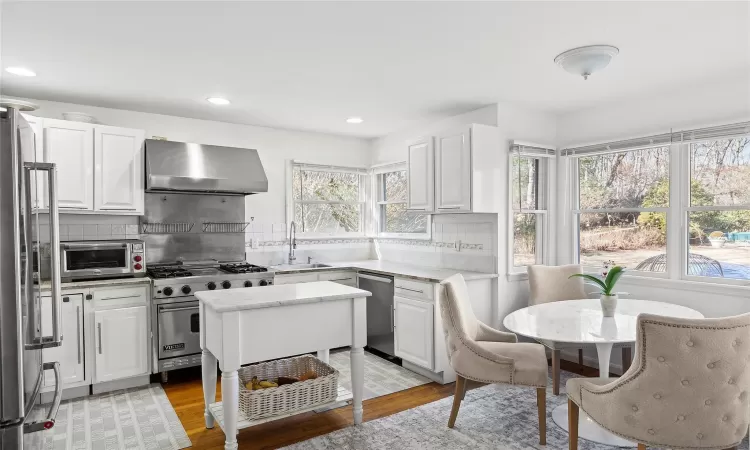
pixel 382 377
pixel 138 418
pixel 491 417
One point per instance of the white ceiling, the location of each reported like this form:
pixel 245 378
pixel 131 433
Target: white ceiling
pixel 311 65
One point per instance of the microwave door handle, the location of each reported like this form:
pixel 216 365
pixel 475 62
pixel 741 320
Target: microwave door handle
pixel 54 238
pixel 49 421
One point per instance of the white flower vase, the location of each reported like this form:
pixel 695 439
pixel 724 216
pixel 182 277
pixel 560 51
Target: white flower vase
pixel 609 304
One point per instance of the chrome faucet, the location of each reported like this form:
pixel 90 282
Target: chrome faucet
pixel 292 241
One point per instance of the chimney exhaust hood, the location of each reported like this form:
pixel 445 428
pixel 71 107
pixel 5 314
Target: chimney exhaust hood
pixel 180 167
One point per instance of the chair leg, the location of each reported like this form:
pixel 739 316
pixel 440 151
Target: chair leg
pixel 572 425
pixel 463 391
pixel 541 406
pixel 580 356
pixel 641 446
pixel 627 358
pixel 556 372
pixel 457 396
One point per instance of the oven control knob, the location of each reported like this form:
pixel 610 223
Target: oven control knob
pixel 248 284
pixel 167 291
pixel 226 284
pixel 137 258
pixel 211 285
pixel 138 267
pixel 186 289
pixel 263 283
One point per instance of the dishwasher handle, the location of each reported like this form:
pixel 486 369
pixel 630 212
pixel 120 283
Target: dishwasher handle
pixel 374 278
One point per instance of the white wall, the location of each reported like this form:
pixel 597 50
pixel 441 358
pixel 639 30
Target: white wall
pixel 715 103
pixel 274 146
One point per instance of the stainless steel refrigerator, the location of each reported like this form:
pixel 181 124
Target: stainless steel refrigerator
pixel 21 338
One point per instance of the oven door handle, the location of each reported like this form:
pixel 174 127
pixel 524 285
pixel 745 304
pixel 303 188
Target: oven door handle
pixel 98 246
pixel 184 308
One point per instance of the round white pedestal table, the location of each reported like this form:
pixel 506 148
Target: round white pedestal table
pixel 581 322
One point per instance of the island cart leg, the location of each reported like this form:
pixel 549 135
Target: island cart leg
pixel 230 397
pixel 358 381
pixel 323 355
pixel 208 362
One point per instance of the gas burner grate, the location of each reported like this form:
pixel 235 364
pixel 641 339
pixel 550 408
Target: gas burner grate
pixel 161 273
pixel 242 268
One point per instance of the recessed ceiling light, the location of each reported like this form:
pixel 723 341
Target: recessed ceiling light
pixel 20 71
pixel 218 100
pixel 354 120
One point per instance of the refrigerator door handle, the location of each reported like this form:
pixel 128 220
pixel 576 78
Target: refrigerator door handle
pixel 49 421
pixel 54 238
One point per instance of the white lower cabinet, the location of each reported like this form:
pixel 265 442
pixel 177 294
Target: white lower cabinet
pixel 70 354
pixel 414 331
pixel 121 347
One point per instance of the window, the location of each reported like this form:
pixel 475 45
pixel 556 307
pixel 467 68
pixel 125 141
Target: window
pixel 528 198
pixel 718 215
pixel 623 200
pixel 328 200
pixel 392 216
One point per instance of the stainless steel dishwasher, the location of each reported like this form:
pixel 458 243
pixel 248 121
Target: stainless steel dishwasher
pixel 379 311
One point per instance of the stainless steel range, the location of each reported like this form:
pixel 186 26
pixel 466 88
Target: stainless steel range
pixel 175 308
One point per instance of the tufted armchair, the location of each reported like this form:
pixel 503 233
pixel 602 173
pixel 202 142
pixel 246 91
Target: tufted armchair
pixel 481 353
pixel 688 386
pixel 552 284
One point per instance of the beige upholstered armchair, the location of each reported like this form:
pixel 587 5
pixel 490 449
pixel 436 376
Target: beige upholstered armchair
pixel 553 283
pixel 687 388
pixel 480 353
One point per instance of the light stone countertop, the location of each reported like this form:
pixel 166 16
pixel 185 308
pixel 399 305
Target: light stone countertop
pixel 277 295
pixel 422 273
pixel 67 286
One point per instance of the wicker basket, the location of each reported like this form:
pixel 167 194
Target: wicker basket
pixel 289 397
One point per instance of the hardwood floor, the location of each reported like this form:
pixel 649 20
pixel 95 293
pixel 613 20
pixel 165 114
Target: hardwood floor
pixel 185 392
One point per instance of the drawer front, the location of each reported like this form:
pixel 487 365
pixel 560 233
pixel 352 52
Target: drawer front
pixel 414 289
pixel 348 278
pixel 121 296
pixel 295 278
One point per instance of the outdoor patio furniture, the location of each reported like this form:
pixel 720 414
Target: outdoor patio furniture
pixel 697 265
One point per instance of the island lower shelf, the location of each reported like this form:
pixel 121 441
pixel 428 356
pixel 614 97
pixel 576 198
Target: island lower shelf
pixel 243 422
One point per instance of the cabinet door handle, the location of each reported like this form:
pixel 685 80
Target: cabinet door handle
pixel 412 290
pixel 449 207
pixel 342 279
pixel 99 330
pixel 78 331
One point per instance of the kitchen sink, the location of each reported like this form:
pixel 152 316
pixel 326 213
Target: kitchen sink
pixel 299 266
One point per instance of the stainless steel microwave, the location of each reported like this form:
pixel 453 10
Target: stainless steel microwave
pixel 102 259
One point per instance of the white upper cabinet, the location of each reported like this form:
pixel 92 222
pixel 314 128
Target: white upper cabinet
pixel 457 171
pixel 70 145
pixel 453 170
pixel 118 172
pixel 420 161
pixel 99 168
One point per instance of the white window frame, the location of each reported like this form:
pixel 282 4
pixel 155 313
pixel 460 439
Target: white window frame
pixel 684 216
pixel 677 213
pixel 291 203
pixel 378 204
pixel 577 211
pixel 545 154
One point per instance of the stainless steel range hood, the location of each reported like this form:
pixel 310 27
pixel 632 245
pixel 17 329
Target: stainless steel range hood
pixel 207 169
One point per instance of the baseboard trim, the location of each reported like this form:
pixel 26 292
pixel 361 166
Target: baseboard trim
pixel 445 377
pixel 115 385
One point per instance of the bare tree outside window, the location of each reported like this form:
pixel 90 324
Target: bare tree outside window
pixel 328 202
pixel 528 206
pixel 392 196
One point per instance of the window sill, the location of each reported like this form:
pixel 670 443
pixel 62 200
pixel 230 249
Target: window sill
pixel 311 237
pixel 715 287
pixel 517 276
pixel 408 236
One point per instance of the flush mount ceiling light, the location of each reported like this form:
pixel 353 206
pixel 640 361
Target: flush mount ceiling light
pixel 218 100
pixel 584 61
pixel 21 72
pixel 354 120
